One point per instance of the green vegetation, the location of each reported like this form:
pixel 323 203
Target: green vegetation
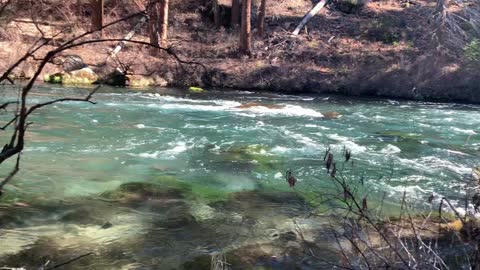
pixel 194 89
pixel 472 52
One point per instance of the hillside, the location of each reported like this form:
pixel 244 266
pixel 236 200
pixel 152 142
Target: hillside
pixel 384 49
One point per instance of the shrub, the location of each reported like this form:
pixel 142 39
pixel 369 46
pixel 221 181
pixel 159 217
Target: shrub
pixel 472 52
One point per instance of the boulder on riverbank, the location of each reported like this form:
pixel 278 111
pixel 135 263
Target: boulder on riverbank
pixel 82 76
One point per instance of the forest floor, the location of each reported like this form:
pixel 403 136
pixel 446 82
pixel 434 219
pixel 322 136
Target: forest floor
pixel 385 49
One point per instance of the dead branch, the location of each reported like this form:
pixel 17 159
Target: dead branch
pixel 5 105
pixel 70 261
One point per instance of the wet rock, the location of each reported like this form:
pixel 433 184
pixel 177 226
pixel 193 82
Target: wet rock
pixel 332 115
pixel 42 251
pixel 53 78
pixel 244 158
pixel 262 204
pixel 107 225
pixel 196 90
pixel 145 81
pixel 114 78
pixel 70 62
pixel 137 191
pixel 84 215
pixel 178 217
pixel 202 212
pixel 81 76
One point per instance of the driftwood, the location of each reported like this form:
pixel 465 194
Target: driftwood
pixel 129 36
pixel 309 16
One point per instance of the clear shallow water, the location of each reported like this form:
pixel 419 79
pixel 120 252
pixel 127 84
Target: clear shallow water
pixel 223 166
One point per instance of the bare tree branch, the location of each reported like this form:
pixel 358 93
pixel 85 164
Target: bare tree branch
pixel 11 174
pixel 86 99
pixel 70 261
pixel 5 105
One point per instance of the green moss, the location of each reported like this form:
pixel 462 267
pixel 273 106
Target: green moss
pixel 202 190
pixel 194 89
pixel 472 52
pixel 256 154
pixel 53 78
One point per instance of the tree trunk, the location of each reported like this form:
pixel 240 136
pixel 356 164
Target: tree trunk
pixel 97 14
pixel 246 31
pixel 163 19
pixel 153 25
pixel 216 13
pixel 235 13
pixel 261 18
pixel 79 8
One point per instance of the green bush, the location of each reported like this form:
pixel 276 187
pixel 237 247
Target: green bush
pixel 472 52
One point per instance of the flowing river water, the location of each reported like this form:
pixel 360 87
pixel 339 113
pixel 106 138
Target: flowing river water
pixel 161 179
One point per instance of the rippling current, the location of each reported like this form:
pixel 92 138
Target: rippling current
pixel 221 156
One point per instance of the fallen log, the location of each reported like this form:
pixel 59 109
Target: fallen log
pixel 309 16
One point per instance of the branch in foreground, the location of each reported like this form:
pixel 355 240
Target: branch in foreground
pixel 70 261
pixel 11 175
pixel 86 99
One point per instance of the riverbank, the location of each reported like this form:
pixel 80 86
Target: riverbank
pixel 385 49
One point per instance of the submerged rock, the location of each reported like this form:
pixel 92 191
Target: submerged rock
pixel 332 115
pixel 201 262
pixel 393 135
pixel 245 158
pixel 138 192
pixel 86 215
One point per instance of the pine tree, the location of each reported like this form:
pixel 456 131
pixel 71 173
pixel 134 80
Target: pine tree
pixel 246 31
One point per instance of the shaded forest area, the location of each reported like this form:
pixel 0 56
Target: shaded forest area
pixel 406 49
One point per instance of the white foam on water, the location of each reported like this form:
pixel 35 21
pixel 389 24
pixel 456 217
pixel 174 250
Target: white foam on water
pixel 431 164
pixel 390 149
pixel 316 126
pixel 280 150
pixel 36 149
pixel 456 152
pixel 168 154
pixel 176 103
pixel 190 107
pixel 349 144
pixel 301 139
pixel 192 126
pixel 464 131
pixel 288 110
pixel 172 99
pixel 140 126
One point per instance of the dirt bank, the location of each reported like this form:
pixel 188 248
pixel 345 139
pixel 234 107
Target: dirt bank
pixel 386 49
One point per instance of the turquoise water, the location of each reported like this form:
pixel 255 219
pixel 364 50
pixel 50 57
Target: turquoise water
pixel 227 161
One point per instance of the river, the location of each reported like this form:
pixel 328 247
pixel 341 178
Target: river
pixel 154 179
